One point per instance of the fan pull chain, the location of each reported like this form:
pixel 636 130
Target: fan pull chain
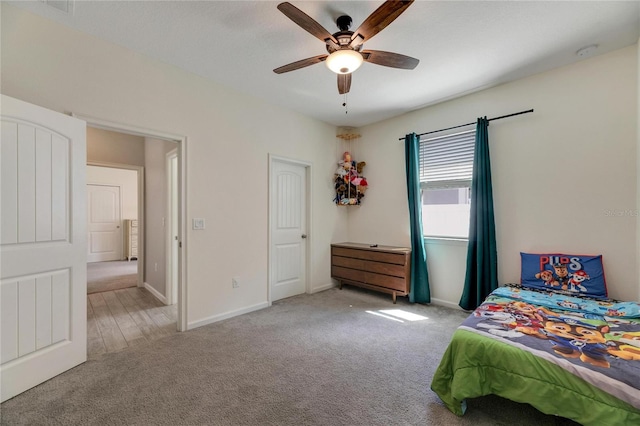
pixel 344 104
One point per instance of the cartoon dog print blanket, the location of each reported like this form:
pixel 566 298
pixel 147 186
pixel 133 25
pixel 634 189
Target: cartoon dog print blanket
pixel 596 339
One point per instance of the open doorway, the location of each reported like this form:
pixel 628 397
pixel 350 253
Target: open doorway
pixel 131 294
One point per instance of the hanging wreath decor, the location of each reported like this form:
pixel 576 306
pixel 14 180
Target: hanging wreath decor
pixel 349 181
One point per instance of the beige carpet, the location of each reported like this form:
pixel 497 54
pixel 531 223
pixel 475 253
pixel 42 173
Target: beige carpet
pixel 327 359
pixel 107 276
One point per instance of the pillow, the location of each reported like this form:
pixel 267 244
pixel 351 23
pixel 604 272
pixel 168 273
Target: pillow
pixel 574 274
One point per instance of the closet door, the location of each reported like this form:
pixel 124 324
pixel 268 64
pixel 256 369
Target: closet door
pixel 288 229
pixel 104 228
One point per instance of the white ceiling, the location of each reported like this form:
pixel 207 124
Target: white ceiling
pixel 463 46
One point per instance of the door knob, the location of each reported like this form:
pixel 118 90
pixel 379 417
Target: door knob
pixel 304 235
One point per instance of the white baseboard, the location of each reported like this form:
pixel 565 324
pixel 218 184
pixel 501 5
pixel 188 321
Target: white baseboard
pixel 322 288
pixel 445 303
pixel 226 315
pixel 155 292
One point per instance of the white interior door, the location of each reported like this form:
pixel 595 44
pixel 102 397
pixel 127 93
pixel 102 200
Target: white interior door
pixel 105 223
pixel 288 229
pixel 43 284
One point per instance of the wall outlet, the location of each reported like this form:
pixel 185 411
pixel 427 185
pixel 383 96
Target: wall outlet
pixel 235 282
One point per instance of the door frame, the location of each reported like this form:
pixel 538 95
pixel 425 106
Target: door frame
pixel 121 232
pixel 140 201
pixel 181 142
pixel 169 260
pixel 308 217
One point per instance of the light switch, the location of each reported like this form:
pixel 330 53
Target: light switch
pixel 198 223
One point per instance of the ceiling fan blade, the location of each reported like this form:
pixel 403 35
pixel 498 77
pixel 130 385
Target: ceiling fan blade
pixel 390 59
pixel 344 83
pixel 305 21
pixel 379 19
pixel 300 64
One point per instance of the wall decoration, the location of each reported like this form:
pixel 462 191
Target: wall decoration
pixel 349 180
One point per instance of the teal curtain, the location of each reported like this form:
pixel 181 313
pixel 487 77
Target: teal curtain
pixel 482 258
pixel 419 277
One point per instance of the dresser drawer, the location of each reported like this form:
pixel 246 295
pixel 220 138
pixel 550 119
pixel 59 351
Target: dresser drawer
pixel 348 262
pixel 344 252
pixel 385 268
pixel 395 283
pixel 376 256
pixel 347 274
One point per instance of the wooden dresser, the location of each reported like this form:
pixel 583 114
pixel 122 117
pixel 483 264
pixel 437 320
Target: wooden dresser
pixel 131 239
pixel 381 268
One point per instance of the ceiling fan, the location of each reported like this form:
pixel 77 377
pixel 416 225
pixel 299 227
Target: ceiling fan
pixel 345 47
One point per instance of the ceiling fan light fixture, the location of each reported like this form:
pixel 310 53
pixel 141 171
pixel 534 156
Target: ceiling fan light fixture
pixel 344 61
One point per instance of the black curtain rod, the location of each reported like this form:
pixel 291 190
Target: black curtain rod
pixel 469 124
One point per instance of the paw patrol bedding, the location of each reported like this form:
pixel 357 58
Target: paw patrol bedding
pixel 576 357
pixel 564 273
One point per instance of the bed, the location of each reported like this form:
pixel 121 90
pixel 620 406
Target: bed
pixel 551 345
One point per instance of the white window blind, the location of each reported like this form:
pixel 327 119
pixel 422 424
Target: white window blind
pixel 447 161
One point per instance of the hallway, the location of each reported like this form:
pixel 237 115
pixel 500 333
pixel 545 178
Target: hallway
pixel 112 275
pixel 126 317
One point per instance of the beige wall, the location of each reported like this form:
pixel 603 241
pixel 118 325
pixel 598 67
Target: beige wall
pixel 229 137
pixel 155 183
pixel 558 173
pixel 113 147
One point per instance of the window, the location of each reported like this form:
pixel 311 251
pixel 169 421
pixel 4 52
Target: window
pixel 446 167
